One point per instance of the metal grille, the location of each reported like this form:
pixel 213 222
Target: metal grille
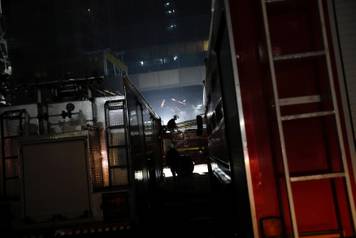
pixel 116 117
pixel 116 143
pixel 119 177
pixel 118 157
pixel 117 137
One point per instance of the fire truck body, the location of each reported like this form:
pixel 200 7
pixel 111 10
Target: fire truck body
pixel 80 163
pixel 277 133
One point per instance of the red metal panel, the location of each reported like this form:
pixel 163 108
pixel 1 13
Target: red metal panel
pixel 294 26
pixel 311 144
pixel 247 32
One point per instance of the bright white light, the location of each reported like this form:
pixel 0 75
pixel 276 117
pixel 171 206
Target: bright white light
pixel 177 101
pixel 209 114
pixel 89 10
pixel 220 173
pixel 167 172
pixel 142 63
pixel 163 102
pixel 198 107
pixel 201 169
pixel 139 175
pixel 167 4
pixel 175 58
pixel 170 12
pixel 172 26
pixel 8 70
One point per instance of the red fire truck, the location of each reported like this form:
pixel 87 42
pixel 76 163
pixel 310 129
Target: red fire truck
pixel 276 122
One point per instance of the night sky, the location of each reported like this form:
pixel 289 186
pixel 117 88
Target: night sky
pixel 44 35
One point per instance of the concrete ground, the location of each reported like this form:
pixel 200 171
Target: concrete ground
pixel 181 207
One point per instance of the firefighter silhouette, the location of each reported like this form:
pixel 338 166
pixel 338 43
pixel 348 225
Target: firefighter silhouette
pixel 172 125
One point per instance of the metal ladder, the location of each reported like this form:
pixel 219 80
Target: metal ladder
pixel 15 115
pixel 280 102
pixel 115 108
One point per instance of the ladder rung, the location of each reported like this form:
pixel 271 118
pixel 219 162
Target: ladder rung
pixel 307 115
pixel 322 234
pixel 118 167
pixel 316 177
pixel 116 104
pixel 117 146
pixel 115 108
pixel 299 100
pixel 116 127
pixel 13 117
pixel 299 55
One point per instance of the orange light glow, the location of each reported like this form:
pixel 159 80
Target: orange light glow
pixel 105 165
